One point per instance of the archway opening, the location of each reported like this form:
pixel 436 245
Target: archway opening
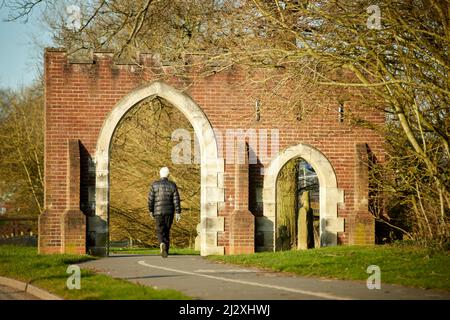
pixel 152 134
pixel 297 206
pixel 211 168
pixel 329 195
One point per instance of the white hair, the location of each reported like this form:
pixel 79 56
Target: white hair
pixel 164 172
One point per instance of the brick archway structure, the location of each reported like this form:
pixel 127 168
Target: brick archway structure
pixel 211 166
pixel 329 194
pixel 84 100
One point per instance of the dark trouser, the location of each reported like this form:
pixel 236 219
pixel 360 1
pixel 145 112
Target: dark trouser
pixel 163 224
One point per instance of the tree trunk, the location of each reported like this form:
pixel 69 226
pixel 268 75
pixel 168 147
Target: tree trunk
pixel 287 207
pixel 305 227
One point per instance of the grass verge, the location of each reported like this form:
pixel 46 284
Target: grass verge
pixel 399 264
pixel 49 272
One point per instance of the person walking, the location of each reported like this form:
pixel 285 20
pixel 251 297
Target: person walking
pixel 163 204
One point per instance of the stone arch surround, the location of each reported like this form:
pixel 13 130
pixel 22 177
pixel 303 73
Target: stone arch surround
pixel 330 195
pixel 211 167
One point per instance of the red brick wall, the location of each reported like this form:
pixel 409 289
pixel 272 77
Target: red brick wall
pixel 241 220
pixel 73 222
pixel 79 96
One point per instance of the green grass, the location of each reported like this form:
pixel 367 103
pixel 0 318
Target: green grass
pixel 399 264
pixel 49 272
pixel 173 251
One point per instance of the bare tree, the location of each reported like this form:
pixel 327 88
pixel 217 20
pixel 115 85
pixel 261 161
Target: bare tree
pixel 395 52
pixel 22 149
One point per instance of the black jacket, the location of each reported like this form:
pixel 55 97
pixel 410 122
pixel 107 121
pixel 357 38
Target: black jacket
pixel 163 198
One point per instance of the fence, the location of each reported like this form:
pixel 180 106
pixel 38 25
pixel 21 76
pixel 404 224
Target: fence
pixel 19 230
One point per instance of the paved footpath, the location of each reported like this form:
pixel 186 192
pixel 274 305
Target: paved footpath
pixel 8 293
pixel 203 279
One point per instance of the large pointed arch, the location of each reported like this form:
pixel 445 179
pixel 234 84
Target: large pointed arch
pixel 211 167
pixel 330 195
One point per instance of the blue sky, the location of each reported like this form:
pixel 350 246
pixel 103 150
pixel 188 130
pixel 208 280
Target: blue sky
pixel 20 56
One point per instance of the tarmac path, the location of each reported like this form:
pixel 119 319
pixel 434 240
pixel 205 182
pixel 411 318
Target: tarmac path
pixel 8 293
pixel 207 280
